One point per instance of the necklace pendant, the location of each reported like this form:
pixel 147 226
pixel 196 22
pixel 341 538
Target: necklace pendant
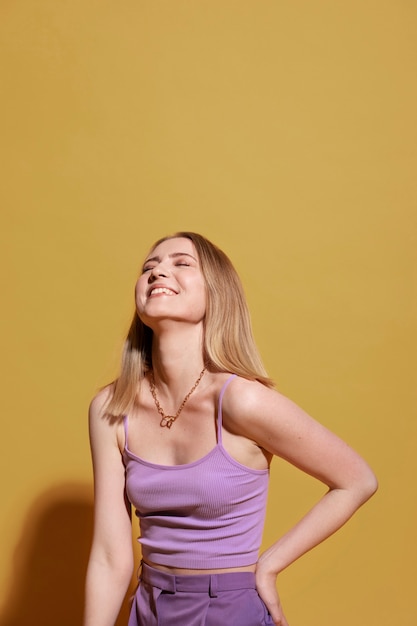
pixel 167 421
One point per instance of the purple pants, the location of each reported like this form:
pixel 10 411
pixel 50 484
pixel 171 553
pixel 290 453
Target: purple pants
pixel 227 599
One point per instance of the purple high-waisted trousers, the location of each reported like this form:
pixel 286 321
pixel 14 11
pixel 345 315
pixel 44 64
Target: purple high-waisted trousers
pixel 227 599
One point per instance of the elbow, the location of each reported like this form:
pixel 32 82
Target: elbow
pixel 123 570
pixel 373 487
pixel 367 486
pixel 115 568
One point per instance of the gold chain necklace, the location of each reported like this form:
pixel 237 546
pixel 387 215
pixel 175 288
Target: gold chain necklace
pixel 168 420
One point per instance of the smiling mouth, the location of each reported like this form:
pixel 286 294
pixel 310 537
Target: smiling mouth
pixel 162 290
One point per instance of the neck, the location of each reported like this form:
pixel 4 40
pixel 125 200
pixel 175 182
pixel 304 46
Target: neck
pixel 177 359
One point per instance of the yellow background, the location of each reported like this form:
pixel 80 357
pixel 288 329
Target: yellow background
pixel 284 131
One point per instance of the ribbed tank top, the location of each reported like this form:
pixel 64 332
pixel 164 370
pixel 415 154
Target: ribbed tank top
pixel 207 514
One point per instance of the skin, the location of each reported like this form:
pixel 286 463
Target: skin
pixel 258 423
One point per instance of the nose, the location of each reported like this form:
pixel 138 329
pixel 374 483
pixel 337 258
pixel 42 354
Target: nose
pixel 158 271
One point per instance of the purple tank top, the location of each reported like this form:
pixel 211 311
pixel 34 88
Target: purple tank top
pixel 207 514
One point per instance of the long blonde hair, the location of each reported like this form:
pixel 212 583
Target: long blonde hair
pixel 228 344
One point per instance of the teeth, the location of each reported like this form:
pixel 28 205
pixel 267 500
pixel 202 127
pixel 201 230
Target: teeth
pixel 168 292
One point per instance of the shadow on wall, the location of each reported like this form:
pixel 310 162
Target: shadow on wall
pixel 50 561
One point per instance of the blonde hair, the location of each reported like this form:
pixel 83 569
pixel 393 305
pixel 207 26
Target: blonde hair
pixel 228 344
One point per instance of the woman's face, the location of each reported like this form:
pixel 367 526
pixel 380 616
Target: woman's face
pixel 171 286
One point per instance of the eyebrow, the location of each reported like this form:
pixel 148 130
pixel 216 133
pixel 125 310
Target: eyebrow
pixel 171 256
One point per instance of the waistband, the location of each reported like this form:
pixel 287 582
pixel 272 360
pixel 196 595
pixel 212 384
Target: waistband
pixel 209 583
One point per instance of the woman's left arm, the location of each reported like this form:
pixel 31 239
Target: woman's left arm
pixel 281 428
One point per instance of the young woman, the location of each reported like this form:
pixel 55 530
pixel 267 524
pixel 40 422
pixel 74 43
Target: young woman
pixel 186 435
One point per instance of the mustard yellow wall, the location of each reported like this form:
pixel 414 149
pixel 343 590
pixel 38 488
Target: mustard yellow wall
pixel 286 132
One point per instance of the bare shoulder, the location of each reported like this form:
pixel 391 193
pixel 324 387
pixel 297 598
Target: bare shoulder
pixel 261 413
pixel 250 397
pixel 99 402
pixel 98 421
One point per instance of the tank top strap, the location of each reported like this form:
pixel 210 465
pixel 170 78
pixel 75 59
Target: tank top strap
pixel 219 412
pixel 126 428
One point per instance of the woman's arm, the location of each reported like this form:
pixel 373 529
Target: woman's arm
pixel 281 428
pixel 111 559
